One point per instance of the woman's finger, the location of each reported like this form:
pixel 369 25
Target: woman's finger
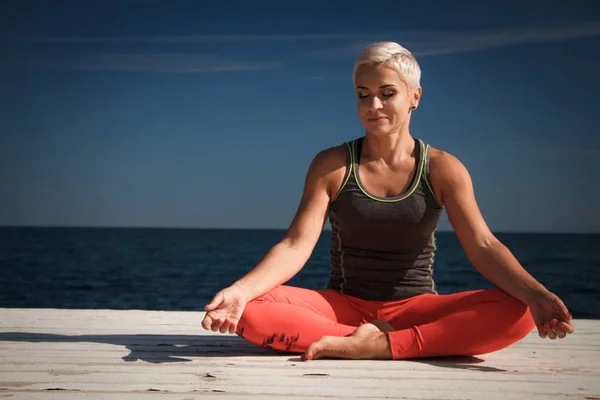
pixel 567 327
pixel 225 327
pixel 218 299
pixel 207 322
pixel 542 331
pixel 555 328
pixel 216 325
pixel 549 331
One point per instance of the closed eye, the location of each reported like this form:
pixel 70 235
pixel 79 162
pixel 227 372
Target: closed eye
pixel 386 95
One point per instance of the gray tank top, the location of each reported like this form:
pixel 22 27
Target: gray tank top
pixel 382 248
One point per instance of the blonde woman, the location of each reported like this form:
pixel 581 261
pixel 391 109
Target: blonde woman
pixel 384 194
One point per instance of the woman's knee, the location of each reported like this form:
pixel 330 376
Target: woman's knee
pixel 255 320
pixel 516 316
pixel 249 323
pixel 252 313
pixel 260 326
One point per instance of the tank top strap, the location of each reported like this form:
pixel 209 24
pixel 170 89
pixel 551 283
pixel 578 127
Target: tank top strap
pixel 349 147
pixel 425 172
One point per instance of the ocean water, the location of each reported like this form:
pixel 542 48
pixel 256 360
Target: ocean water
pixel 181 269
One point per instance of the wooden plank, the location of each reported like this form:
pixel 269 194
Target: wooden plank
pixel 552 382
pixel 408 394
pixel 312 387
pixel 398 392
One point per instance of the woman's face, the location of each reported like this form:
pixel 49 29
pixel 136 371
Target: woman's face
pixel 384 101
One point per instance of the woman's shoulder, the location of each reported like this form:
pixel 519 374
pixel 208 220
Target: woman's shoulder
pixel 441 159
pixel 331 158
pixel 329 166
pixel 446 172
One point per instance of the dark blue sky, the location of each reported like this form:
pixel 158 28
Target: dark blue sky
pixel 193 114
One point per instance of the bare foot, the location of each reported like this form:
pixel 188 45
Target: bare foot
pixel 367 342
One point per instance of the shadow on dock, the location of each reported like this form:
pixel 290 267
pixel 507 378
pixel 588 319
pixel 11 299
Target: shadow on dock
pixel 182 348
pixel 154 348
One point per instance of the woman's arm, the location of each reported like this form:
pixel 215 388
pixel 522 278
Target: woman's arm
pixel 488 255
pixel 453 186
pixel 286 258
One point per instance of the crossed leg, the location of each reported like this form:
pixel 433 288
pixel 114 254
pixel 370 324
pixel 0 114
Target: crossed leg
pixel 466 323
pixel 290 319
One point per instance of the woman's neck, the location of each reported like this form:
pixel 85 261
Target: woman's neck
pixel 391 149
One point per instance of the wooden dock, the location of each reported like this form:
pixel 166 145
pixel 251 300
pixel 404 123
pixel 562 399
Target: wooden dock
pixel 131 355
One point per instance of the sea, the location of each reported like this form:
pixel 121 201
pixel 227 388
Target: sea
pixel 182 269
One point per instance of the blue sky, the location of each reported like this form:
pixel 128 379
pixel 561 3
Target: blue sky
pixel 195 114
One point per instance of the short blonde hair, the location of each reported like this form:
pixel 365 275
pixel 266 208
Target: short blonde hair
pixel 393 54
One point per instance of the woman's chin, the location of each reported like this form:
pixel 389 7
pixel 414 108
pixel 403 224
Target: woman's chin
pixel 378 129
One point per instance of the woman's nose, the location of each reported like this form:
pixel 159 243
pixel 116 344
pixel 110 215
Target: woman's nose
pixel 375 104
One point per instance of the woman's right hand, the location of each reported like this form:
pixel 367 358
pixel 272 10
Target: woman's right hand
pixel 223 313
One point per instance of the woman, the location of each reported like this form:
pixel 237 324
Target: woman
pixel 384 194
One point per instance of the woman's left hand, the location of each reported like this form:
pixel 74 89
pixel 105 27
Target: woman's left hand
pixel 551 316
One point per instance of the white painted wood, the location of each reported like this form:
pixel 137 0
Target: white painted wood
pixel 132 354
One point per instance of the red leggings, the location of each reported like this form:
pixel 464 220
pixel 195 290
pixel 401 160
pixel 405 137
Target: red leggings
pixel 475 322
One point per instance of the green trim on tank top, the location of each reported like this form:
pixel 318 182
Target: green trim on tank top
pixel 425 154
pixel 416 178
pixel 348 172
